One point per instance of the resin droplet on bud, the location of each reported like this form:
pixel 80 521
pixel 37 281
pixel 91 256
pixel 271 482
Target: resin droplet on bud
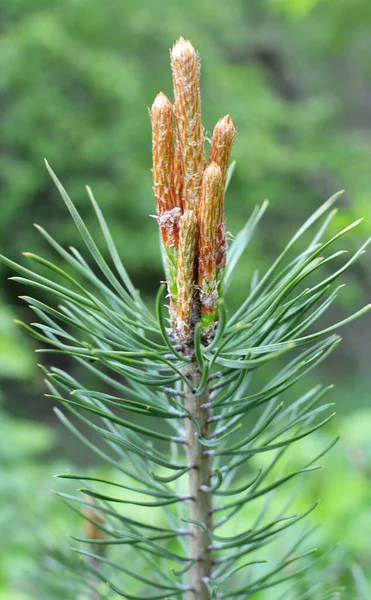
pixel 185 272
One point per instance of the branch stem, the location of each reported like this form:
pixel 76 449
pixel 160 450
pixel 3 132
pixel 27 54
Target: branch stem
pixel 199 477
pixel 92 579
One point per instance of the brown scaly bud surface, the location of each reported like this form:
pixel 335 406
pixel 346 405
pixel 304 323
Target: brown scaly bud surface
pixel 212 190
pixel 178 174
pixel 221 145
pixel 163 178
pixel 208 221
pixel 163 169
pixel 185 67
pixel 222 141
pixel 185 272
pixel 163 152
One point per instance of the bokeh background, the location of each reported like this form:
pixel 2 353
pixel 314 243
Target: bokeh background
pixel 76 80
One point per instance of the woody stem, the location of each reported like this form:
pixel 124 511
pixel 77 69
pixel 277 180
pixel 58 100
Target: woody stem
pixel 199 476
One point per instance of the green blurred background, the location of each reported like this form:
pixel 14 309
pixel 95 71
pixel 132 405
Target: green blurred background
pixel 76 80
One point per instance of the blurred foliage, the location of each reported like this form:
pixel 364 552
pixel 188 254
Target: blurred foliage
pixel 296 7
pixel 29 512
pixel 16 360
pixel 35 560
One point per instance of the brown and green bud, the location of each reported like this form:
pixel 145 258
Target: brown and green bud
pixel 185 65
pixel 190 199
pixel 163 152
pixel 163 168
pixel 221 146
pixel 178 174
pixel 185 272
pixel 212 190
pixel 163 178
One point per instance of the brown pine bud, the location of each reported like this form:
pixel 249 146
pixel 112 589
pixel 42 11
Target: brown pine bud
pixel 163 153
pixel 185 272
pixel 178 174
pixel 223 137
pixel 185 67
pixel 221 145
pixel 91 526
pixel 169 226
pixel 212 190
pixel 164 187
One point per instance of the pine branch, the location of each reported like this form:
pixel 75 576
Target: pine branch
pixel 182 415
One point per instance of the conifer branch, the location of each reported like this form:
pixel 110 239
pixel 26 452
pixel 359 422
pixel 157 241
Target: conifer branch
pixel 178 408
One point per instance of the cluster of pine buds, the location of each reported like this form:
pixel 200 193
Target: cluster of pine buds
pixel 189 192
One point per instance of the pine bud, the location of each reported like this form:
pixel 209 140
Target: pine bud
pixel 212 190
pixel 178 174
pixel 163 156
pixel 163 178
pixel 185 67
pixel 163 169
pixel 222 141
pixel 92 529
pixel 221 145
pixel 185 272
